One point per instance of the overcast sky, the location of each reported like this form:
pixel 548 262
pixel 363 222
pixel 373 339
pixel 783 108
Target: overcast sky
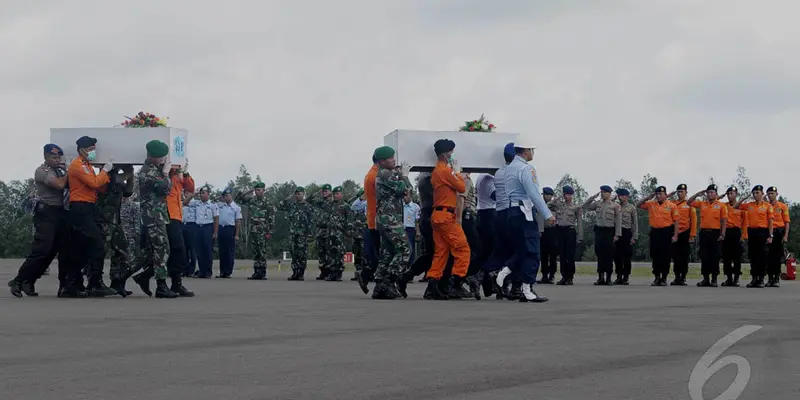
pixel 305 90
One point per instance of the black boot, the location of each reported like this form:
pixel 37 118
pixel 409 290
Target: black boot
pixel 618 281
pixel 601 279
pixel 364 277
pixel 457 289
pixel 714 281
pixel 705 282
pixel 323 273
pixel 474 286
pixel 663 281
pixel 487 284
pixel 293 277
pixel 29 289
pixel 71 291
pixel 143 280
pixel 626 280
pixel 97 288
pixel 15 287
pixel 383 291
pixel 736 280
pixel 656 281
pixel 354 278
pixel 728 281
pixel 258 275
pixel 177 287
pixel 432 292
pixel 334 276
pixel 608 279
pixel 162 290
pixel 402 283
pixel 119 286
pixel 516 291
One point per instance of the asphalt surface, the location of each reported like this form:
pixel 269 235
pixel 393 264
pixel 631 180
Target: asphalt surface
pixel 315 340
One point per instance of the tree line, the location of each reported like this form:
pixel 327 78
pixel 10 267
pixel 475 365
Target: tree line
pixel 16 235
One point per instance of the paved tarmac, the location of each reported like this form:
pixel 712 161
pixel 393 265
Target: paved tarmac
pixel 315 340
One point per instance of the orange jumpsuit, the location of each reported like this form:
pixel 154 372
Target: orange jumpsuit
pixel 448 236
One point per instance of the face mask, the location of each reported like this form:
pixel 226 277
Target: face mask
pixel 450 160
pixel 91 155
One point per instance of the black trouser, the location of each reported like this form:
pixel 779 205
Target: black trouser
pixel 469 223
pixel 51 237
pixel 758 251
pixel 485 235
pixel 423 262
pixel 624 253
pixel 374 250
pixel 177 262
pixel 567 243
pixel 88 243
pixel 776 252
pixel 548 248
pixel 680 254
pixel 503 250
pixel 189 238
pixel 709 252
pixel 604 249
pixel 732 252
pixel 660 245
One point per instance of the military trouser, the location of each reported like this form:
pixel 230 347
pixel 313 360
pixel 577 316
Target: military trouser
pixel 395 253
pixel 51 237
pixel 154 249
pixel 322 247
pixel 116 243
pixel 335 252
pixel 298 248
pixel 358 255
pixel 258 242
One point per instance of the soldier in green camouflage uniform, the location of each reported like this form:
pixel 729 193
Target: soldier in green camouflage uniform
pixel 339 227
pixel 262 220
pixel 299 216
pixel 359 223
pixel 109 206
pixel 154 186
pixel 323 210
pixel 391 186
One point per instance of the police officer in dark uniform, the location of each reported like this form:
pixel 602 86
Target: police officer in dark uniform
pixel 549 243
pixel 52 231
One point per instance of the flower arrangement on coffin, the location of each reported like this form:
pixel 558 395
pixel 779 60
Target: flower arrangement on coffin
pixel 479 125
pixel 144 120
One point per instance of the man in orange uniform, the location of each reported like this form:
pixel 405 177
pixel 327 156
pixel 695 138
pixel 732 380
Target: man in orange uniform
pixel 759 233
pixel 687 227
pixel 448 236
pixel 372 238
pixel 88 241
pixel 735 235
pixel 663 216
pixel 177 261
pixel 780 227
pixel 713 223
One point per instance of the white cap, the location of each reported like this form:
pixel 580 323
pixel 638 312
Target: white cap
pixel 524 143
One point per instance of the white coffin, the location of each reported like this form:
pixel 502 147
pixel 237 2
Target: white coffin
pixel 475 151
pixel 124 145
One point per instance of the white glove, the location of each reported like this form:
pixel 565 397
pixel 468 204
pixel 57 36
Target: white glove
pixel 108 165
pixel 186 166
pixel 456 167
pixel 405 169
pixel 166 168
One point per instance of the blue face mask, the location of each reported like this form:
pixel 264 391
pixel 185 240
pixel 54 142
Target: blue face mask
pixel 91 156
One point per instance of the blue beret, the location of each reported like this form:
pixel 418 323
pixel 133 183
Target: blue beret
pixel 623 192
pixel 548 190
pixel 568 190
pixel 226 191
pixel 606 188
pixel 509 150
pixel 53 149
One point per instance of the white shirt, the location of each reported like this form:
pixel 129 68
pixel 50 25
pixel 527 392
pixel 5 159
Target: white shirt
pixel 484 192
pixel 410 214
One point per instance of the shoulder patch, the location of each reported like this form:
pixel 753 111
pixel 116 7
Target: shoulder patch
pixel 85 168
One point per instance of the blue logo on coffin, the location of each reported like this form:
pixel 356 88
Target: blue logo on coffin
pixel 178 146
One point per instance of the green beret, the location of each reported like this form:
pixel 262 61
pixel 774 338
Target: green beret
pixel 337 189
pixel 157 149
pixel 325 187
pixel 259 185
pixel 360 193
pixel 299 189
pixel 383 153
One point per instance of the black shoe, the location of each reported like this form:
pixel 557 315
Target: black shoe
pixel 626 280
pixel 402 284
pixel 562 282
pixel 99 289
pixel 71 292
pixel 177 287
pixel 257 276
pixel 457 290
pixel 728 282
pixel 433 292
pixel 736 280
pixel 15 287
pixel 704 283
pixel 516 291
pixel 714 281
pixel 144 283
pixel 354 278
pixel 383 291
pixel 162 290
pixel 474 287
pixel 488 284
pixel 601 280
pixel 570 282
pixel 618 281
pixel 323 273
pixel 364 276
pixel 656 281
pixel 29 289
pixel 119 286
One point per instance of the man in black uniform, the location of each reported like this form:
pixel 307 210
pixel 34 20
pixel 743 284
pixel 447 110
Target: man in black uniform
pixel 549 244
pixel 52 231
